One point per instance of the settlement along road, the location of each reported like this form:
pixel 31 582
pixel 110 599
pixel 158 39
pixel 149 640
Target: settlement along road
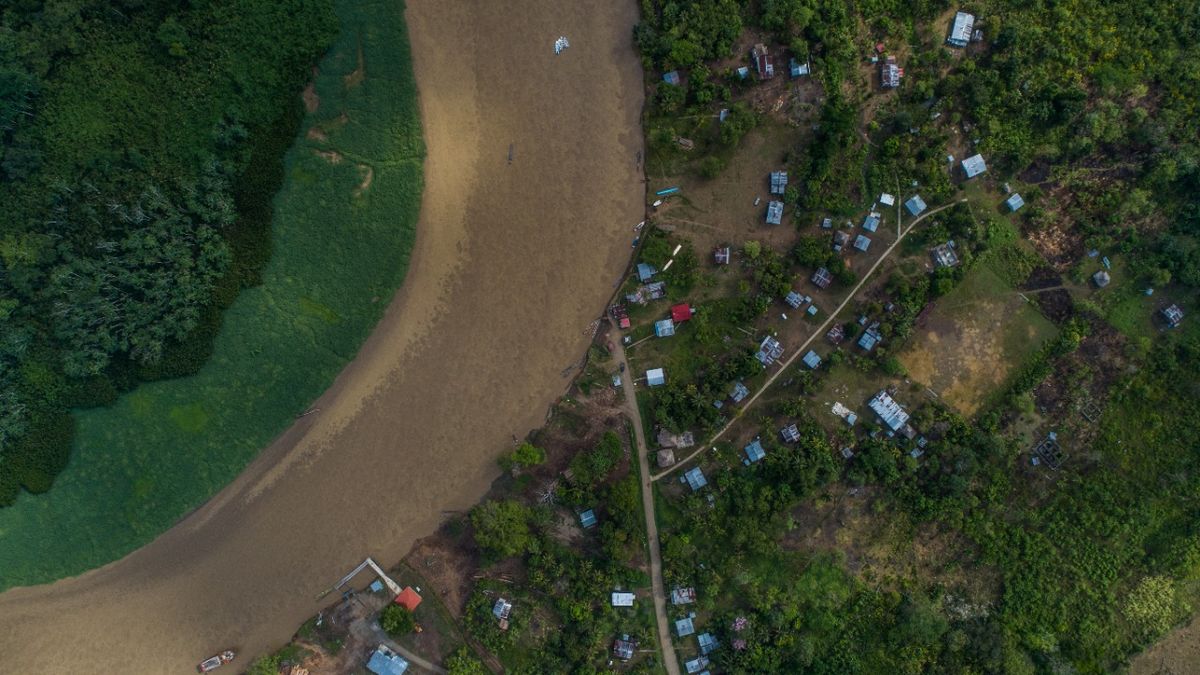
pixel 643 453
pixel 511 263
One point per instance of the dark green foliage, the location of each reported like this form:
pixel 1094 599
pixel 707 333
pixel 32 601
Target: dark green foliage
pixel 464 662
pixel 683 34
pixel 524 456
pixel 137 204
pixel 502 528
pixel 396 621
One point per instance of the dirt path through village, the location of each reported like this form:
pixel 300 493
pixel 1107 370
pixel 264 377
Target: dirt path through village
pixel 512 263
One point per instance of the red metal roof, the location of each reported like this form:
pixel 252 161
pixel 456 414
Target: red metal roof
pixel 681 312
pixel 408 599
pixel 624 322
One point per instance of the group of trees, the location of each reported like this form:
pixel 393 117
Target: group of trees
pixel 136 203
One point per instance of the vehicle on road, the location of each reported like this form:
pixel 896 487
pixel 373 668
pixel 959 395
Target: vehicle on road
pixel 213 662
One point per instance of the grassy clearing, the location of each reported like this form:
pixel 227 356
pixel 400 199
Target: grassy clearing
pixel 340 251
pixel 973 339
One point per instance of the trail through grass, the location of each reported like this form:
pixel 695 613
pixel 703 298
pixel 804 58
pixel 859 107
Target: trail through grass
pixel 340 250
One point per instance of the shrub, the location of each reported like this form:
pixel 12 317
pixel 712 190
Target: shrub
pixel 396 620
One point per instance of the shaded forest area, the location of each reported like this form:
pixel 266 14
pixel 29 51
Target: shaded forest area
pixel 141 145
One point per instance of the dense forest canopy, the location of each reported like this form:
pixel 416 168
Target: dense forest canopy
pixel 140 147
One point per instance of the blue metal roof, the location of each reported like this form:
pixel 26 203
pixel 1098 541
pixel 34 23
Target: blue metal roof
pixel 871 223
pixel 645 271
pixel 812 310
pixel 862 242
pixel 664 328
pixel 974 165
pixel 1014 202
pixel 915 205
pixel 811 359
pixel 671 77
pixel 707 643
pixel 695 478
pixel 386 662
pixel 868 340
pixel 754 450
pixel 684 627
pixel 588 518
pixel 740 391
pixel 794 299
pixel 889 411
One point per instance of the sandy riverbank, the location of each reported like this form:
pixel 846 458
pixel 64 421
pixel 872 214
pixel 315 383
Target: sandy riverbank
pixel 511 264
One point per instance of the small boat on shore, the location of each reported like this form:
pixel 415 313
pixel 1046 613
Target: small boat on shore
pixel 213 662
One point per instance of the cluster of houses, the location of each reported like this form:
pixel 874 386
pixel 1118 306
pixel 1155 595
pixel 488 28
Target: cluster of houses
pixel 686 626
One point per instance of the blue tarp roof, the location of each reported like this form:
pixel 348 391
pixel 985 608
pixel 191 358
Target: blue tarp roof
pixel 386 662
pixel 664 328
pixel 915 205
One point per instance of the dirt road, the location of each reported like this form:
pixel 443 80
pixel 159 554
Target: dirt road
pixel 512 263
pixel 657 588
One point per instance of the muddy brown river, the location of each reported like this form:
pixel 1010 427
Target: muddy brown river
pixel 512 263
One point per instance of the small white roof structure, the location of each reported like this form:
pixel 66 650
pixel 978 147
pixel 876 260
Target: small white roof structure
pixel 887 200
pixel 656 377
pixel 622 599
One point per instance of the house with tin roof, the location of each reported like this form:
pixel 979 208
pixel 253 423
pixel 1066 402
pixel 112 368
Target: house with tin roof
pixel 779 182
pixel 862 242
pixel 811 359
pixel 822 278
pixel 915 205
pixel 774 212
pixel 790 433
pixel 974 165
pixel 961 29
pixel 1014 202
pixel 754 451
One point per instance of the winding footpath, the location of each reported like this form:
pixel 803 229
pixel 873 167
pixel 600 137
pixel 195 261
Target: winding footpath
pixel 670 661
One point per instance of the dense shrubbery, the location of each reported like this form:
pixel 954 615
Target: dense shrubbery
pixel 136 206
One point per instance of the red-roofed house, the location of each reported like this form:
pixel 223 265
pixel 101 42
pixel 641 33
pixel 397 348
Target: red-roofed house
pixel 408 599
pixel 681 312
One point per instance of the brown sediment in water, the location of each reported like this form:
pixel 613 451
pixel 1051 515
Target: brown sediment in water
pixel 511 264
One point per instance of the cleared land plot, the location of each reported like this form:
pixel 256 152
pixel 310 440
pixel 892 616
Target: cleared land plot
pixel 973 338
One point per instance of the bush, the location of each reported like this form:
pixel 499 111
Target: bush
pixel 526 455
pixel 711 167
pixel 502 528
pixel 396 620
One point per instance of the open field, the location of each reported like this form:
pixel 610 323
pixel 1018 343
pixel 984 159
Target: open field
pixel 973 338
pixel 470 352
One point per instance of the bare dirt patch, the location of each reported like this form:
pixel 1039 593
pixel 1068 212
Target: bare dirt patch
pixel 331 156
pixel 356 76
pixel 368 175
pixel 311 100
pixel 316 133
pixel 1176 654
pixel 972 339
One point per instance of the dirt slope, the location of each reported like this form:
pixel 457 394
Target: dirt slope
pixel 512 263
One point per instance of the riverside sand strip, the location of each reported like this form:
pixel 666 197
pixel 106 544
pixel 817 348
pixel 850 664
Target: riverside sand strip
pixel 512 262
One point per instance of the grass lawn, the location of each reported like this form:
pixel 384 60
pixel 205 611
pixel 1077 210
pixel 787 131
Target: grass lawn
pixel 973 338
pixel 340 250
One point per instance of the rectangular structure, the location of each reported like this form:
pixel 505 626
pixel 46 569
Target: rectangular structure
pixel 915 205
pixel 889 411
pixel 779 182
pixel 812 359
pixel 960 31
pixel 774 212
pixel 974 165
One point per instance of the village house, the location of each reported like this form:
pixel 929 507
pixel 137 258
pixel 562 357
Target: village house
pixel 836 334
pixel 655 377
pixel 666 439
pixel 891 413
pixel 587 519
pixel 502 610
pixel 944 255
pixel 740 392
pixel 622 599
pixel 887 199
pixel 974 166
pixel 960 30
pixel 664 328
pixel 721 255
pixel 794 299
pixel 797 69
pixel 774 212
pixel 685 627
pixel 840 239
pixel 665 458
pixel 696 665
pixel 779 181
pixel 408 599
pixel 870 337
pixel 822 278
pixel 623 648
pixel 811 359
pixel 763 66
pixel 1101 279
pixel 769 351
pixel 890 73
pixel 790 433
pixel 681 312
pixel 871 222
pixel 695 479
pixel 682 595
pixel 1014 202
pixel 708 643
pixel 827 223
pixel 1173 315
pixel 862 242
pixel 915 205
pixel 384 661
pixel 811 311
pixel 646 293
pixel 754 452
pixel 645 272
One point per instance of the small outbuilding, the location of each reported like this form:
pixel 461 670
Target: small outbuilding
pixel 588 519
pixel 840 239
pixel 779 182
pixel 827 223
pixel 794 299
pixel 1014 202
pixel 708 643
pixel 671 77
pixel 645 271
pixel 695 479
pixel 887 199
pixel 797 69
pixel 1101 279
pixel 871 222
pixel 862 242
pixel 739 393
pixel 681 312
pixel 656 377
